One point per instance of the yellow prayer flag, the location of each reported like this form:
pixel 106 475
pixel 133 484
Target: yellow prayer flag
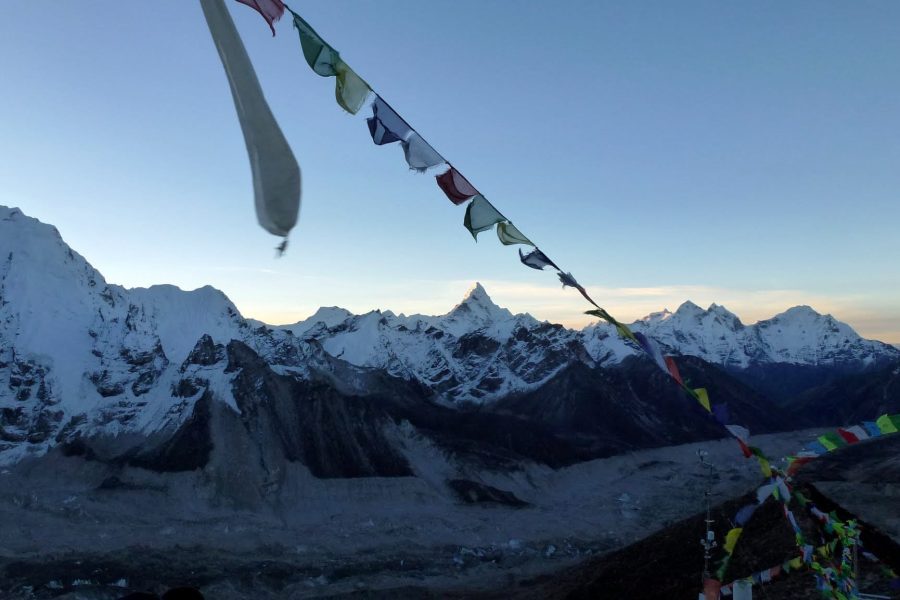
pixel 731 539
pixel 703 398
pixel 350 90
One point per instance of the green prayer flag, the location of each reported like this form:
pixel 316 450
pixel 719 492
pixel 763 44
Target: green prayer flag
pixel 832 441
pixel 509 234
pixel 481 216
pixel 322 58
pixel 886 424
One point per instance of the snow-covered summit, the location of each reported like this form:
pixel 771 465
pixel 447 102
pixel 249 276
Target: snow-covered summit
pixel 78 353
pixel 798 336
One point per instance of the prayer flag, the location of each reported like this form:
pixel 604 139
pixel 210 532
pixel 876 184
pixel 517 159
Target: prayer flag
pixel 651 349
pixel 481 216
pixel 536 260
pixel 385 125
pixel 744 514
pixel 886 424
pixel 568 280
pixel 859 432
pixel 731 539
pixel 872 428
pixel 764 491
pixel 721 413
pixel 350 90
pixel 509 234
pixel 457 187
pixel 673 370
pixel 764 466
pixel 321 58
pixel 420 156
pixel 832 441
pixel 817 447
pixel 275 172
pixel 703 398
pixel 848 436
pixel 271 10
pixel 711 589
pixel 796 463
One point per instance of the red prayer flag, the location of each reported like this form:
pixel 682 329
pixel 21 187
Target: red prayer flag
pixel 457 187
pixel 673 370
pixel 796 463
pixel 711 588
pixel 849 437
pixel 271 10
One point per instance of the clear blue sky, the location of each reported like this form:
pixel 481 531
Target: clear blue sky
pixel 742 153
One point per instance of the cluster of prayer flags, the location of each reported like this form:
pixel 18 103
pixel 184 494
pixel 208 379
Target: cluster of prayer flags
pixel 843 436
pixel 386 126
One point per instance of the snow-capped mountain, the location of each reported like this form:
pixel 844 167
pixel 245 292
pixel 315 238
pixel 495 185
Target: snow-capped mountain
pixel 479 351
pixel 798 336
pixel 148 376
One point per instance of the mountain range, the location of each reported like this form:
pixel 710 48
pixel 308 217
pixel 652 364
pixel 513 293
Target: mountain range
pixel 173 380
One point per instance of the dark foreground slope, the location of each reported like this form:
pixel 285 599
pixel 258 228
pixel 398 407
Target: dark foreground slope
pixel 668 564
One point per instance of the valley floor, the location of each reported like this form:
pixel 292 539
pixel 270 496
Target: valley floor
pixel 69 530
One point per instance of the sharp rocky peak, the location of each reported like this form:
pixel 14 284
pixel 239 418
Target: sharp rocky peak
pixel 478 303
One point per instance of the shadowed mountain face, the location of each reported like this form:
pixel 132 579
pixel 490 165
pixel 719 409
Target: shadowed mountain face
pixel 850 399
pixel 177 381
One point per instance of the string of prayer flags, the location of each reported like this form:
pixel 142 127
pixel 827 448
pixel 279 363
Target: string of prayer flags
pixel 621 328
pixel 568 280
pixel 455 186
pixel 271 10
pixel 386 126
pixel 481 216
pixel 536 260
pixel 350 90
pixel 509 234
pixel 275 172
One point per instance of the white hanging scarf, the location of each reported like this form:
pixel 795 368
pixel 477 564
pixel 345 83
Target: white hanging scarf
pixel 276 174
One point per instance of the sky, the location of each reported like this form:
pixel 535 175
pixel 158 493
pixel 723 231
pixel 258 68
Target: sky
pixel 746 154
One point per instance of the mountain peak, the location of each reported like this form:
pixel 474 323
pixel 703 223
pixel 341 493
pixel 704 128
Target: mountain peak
pixel 801 311
pixel 478 309
pixel 688 308
pixel 477 293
